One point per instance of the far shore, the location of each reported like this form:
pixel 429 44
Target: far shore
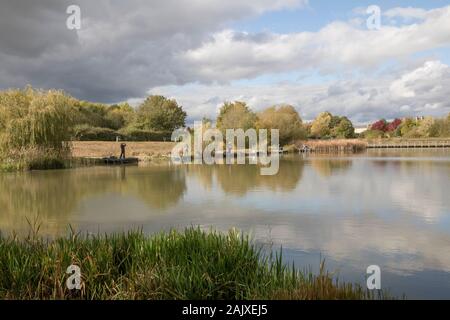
pixel 147 150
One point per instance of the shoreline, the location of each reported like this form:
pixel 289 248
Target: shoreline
pixel 86 153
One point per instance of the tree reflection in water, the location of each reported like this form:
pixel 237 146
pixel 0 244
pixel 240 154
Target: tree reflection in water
pixel 51 197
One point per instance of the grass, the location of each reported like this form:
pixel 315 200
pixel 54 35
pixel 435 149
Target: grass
pixel 34 159
pixel 192 264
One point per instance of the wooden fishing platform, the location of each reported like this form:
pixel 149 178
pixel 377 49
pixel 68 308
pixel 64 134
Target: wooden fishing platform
pixel 118 161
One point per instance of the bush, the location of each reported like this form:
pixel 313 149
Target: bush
pixel 88 133
pixel 45 163
pixel 134 134
pixel 373 134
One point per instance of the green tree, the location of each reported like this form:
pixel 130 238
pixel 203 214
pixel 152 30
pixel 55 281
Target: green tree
pixel 284 118
pixel 344 129
pixel 444 127
pixel 236 115
pixel 160 114
pixel 425 127
pixel 408 128
pixel 372 134
pixel 320 127
pixel 119 116
pixel 91 114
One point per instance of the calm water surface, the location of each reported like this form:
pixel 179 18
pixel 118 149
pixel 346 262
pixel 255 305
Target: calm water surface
pixel 389 208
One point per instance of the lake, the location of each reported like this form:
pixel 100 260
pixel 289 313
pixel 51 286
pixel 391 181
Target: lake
pixel 385 207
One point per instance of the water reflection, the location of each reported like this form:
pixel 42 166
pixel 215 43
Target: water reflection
pixel 239 179
pixel 327 167
pixel 158 186
pixel 390 209
pixel 52 197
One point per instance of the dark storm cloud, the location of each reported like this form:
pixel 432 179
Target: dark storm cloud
pixel 30 28
pixel 123 48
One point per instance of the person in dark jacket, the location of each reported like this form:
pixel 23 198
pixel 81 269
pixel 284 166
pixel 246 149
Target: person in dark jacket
pixel 122 150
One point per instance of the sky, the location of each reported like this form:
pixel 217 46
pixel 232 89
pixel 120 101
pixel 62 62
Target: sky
pixel 315 55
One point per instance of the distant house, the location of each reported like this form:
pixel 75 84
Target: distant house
pixel 418 118
pixel 359 130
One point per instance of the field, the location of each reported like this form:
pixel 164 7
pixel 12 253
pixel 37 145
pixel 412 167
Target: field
pixel 141 150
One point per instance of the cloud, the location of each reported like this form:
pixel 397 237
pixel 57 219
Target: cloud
pixel 122 49
pixel 231 55
pixel 125 50
pixel 421 90
pixel 406 13
pixel 432 77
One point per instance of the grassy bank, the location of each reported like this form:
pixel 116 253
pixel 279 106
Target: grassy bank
pixel 177 265
pixel 33 159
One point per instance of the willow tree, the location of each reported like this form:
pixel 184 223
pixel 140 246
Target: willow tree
pixel 35 121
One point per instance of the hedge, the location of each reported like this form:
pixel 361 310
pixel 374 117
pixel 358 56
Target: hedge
pixel 87 133
pixel 132 134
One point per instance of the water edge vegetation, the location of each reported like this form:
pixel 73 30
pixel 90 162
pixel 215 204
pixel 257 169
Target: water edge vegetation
pixel 189 264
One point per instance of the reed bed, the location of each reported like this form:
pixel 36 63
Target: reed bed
pixel 334 145
pixel 191 264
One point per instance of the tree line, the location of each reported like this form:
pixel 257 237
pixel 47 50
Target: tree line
pixel 418 127
pixel 158 116
pixel 33 120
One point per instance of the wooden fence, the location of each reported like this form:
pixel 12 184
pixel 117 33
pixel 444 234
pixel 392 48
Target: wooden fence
pixel 409 143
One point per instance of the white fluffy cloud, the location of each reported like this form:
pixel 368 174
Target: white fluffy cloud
pixel 422 90
pixel 230 55
pixel 432 77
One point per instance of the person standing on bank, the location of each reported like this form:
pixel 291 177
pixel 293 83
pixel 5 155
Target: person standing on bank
pixel 122 151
